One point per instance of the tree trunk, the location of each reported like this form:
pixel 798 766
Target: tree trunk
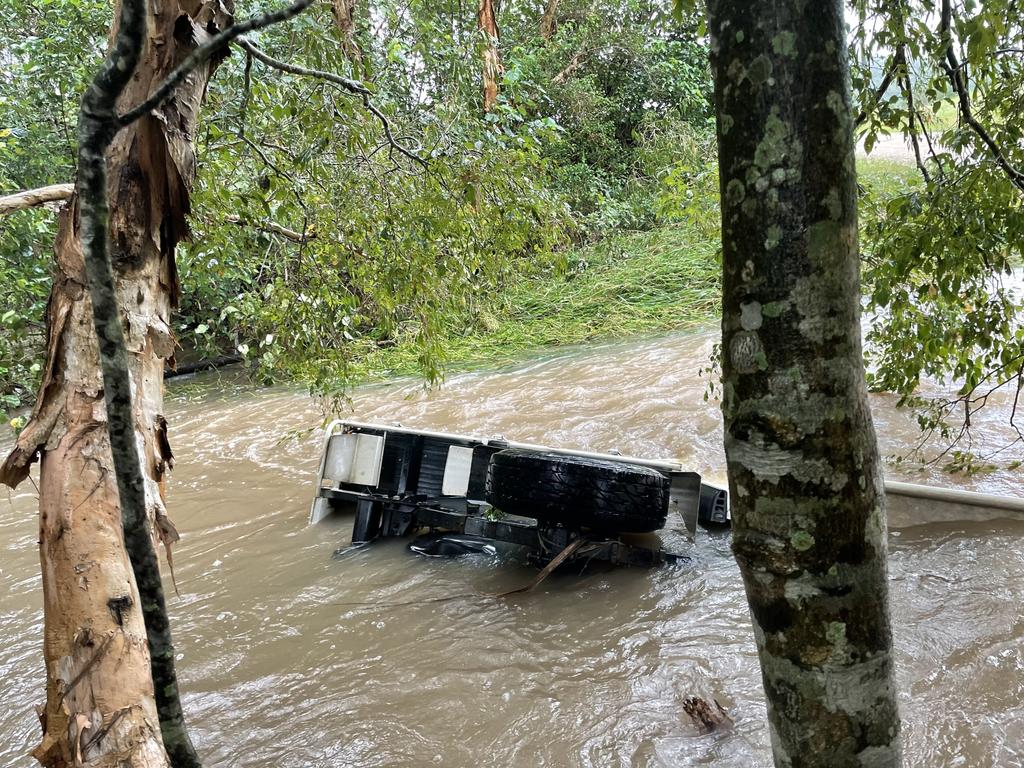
pixel 548 21
pixel 100 706
pixel 804 475
pixel 487 21
pixel 344 12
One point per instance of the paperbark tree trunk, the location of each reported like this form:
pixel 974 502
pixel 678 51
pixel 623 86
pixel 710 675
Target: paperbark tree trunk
pixel 487 22
pixel 100 707
pixel 807 499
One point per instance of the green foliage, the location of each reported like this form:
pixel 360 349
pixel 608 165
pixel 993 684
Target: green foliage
pixel 613 75
pixel 320 251
pixel 391 252
pixel 24 286
pixel 400 257
pixel 940 251
pixel 47 50
pixel 627 285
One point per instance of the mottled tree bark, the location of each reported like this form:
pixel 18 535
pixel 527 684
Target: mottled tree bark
pixel 804 475
pixel 487 22
pixel 101 706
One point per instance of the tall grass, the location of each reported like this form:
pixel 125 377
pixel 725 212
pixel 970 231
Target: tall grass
pixel 631 284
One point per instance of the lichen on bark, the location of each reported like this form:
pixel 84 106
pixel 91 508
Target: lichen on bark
pixel 809 532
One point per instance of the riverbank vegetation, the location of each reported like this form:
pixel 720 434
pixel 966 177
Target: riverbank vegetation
pixel 357 212
pixel 416 189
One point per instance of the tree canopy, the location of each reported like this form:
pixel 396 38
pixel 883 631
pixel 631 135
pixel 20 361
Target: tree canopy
pixel 332 224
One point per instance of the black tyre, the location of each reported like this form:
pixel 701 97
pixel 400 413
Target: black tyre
pixel 604 495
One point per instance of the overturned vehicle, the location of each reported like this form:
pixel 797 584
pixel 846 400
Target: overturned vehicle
pixel 475 491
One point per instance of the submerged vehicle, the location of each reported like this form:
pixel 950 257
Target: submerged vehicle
pixel 399 481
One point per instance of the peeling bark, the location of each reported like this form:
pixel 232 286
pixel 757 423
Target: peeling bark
pixel 101 707
pixel 487 22
pixel 804 475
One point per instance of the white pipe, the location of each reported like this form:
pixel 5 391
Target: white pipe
pixel 953 496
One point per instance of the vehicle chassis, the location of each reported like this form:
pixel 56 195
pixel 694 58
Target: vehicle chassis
pixel 398 481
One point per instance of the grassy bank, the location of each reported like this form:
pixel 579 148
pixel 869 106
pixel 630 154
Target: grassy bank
pixel 628 285
pixel 882 179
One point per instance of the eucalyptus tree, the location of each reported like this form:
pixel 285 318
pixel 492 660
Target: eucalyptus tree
pixel 487 21
pixel 806 488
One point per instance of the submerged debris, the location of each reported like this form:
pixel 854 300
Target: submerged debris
pixel 705 717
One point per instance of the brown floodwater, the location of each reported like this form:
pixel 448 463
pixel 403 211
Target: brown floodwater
pixel 290 657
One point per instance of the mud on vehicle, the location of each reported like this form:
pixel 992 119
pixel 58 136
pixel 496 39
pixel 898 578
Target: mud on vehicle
pixel 399 481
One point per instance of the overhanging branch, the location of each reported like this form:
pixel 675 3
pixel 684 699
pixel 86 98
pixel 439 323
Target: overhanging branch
pixel 354 87
pixel 951 66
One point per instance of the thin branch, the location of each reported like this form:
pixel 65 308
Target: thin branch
pixel 30 198
pixel 269 226
pixel 908 94
pixel 931 147
pixel 246 88
pixel 205 52
pixel 352 86
pixel 890 74
pixel 294 187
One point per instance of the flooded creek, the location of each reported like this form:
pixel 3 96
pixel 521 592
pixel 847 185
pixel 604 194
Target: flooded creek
pixel 291 658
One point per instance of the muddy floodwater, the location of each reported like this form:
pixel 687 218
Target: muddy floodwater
pixel 291 658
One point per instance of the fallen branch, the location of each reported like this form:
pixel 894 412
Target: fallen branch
pixel 560 558
pixel 30 198
pixel 550 568
pixel 187 369
pixel 706 718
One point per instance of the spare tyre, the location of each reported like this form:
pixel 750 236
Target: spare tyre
pixel 575 491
